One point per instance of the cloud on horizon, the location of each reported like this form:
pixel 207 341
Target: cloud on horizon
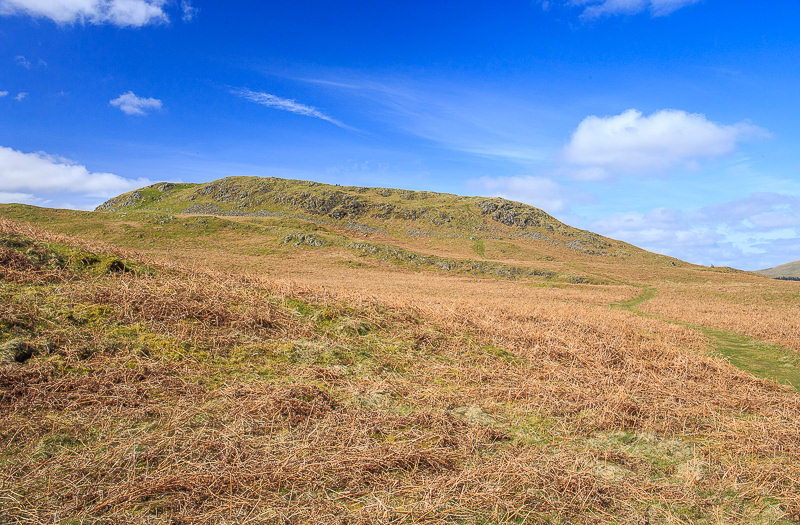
pixel 632 143
pixel 130 104
pixel 761 230
pixel 40 178
pixel 285 104
pixel 122 13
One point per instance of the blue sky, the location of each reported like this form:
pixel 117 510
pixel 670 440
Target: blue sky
pixel 671 124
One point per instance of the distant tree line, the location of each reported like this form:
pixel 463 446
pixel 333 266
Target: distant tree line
pixel 788 278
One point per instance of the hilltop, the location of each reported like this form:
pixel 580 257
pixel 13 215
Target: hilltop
pixel 784 271
pixel 402 213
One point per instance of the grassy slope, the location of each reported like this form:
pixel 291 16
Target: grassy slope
pixel 398 213
pixel 167 395
pixel 791 269
pixel 389 384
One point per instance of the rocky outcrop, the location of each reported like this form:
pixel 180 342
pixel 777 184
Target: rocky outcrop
pixel 517 215
pixel 308 239
pixel 123 201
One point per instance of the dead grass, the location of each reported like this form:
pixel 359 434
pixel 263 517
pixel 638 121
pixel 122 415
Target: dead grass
pixel 331 395
pixel 759 307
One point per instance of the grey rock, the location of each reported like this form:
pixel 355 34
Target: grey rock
pixel 304 238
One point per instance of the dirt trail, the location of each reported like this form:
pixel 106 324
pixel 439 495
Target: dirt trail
pixel 761 359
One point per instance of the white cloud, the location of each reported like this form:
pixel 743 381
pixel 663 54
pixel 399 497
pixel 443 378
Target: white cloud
pixel 189 11
pixel 22 95
pixel 22 61
pixel 38 178
pixel 757 212
pixel 285 104
pixel 130 104
pixel 599 8
pixel 758 231
pixel 634 143
pixel 536 191
pixel 22 198
pixel 662 229
pixel 3 93
pixel 124 13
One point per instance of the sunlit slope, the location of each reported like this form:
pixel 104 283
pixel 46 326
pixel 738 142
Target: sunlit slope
pixel 401 214
pixel 134 389
pixel 789 270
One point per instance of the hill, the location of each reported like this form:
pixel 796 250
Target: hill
pixel 784 271
pixel 259 351
pixel 401 213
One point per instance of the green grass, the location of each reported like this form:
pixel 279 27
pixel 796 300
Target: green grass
pixel 769 361
pixel 760 359
pixel 479 247
pixel 648 293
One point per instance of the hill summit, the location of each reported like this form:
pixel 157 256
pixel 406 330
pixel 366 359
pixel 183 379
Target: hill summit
pixel 373 210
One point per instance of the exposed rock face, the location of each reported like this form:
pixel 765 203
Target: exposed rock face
pixel 121 202
pixel 223 191
pixel 336 204
pixel 363 228
pixel 590 243
pixel 515 214
pixel 134 198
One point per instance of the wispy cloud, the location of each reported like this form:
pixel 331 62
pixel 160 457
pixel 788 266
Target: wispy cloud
pixel 285 104
pixel 22 95
pixel 463 120
pixel 130 104
pixel 601 8
pixel 22 61
pixel 634 143
pixel 3 93
pixel 123 13
pixel 189 11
